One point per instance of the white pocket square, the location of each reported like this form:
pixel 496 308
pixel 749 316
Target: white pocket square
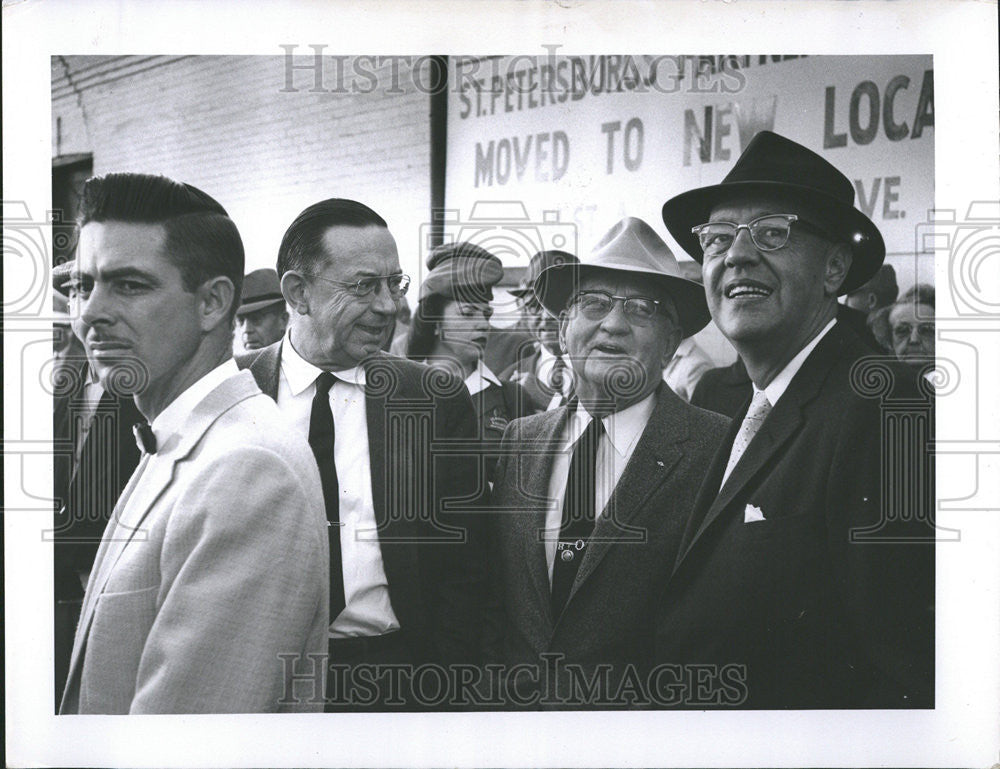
pixel 752 513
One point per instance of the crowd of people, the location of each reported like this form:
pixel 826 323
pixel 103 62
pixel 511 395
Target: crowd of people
pixel 363 510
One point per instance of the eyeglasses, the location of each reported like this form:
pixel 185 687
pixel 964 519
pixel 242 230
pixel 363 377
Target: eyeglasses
pixel 596 305
pixel 905 330
pixel 396 284
pixel 768 233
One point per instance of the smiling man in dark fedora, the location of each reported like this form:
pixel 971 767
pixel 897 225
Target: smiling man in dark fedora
pixel 807 561
pixel 591 498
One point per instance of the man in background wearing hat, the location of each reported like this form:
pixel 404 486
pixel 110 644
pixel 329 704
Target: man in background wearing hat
pixel 544 374
pixel 790 569
pixel 592 498
pixel 450 329
pixel 405 578
pixel 261 316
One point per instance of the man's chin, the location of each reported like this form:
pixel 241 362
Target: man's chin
pixel 122 378
pixel 621 378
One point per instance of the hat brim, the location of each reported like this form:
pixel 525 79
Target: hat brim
pixel 694 207
pixel 246 309
pixel 561 281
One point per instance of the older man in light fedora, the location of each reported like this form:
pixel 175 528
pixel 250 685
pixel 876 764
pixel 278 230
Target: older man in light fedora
pixel 262 315
pixel 808 562
pixel 591 498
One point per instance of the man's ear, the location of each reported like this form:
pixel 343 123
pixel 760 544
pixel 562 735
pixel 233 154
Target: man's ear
pixel 674 341
pixel 838 262
pixel 296 292
pixel 217 296
pixel 563 322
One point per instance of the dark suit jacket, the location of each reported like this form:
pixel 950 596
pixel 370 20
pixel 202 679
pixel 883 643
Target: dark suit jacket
pixel 85 498
pixel 724 390
pixel 607 618
pixel 425 485
pixel 812 618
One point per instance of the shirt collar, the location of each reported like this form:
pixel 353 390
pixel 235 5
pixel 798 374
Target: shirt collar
pixel 301 374
pixel 480 378
pixel 172 418
pixel 685 347
pixel 780 383
pixel 623 428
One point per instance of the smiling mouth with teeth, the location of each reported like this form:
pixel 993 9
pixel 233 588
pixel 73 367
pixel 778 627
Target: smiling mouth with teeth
pixel 746 290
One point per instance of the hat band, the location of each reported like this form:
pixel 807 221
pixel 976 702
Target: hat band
pixel 261 298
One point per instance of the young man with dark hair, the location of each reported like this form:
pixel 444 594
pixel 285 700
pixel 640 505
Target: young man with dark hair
pixel 213 566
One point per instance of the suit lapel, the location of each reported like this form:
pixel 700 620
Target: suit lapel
pixel 396 533
pixel 151 478
pixel 781 424
pixel 534 468
pixel 650 466
pixel 266 368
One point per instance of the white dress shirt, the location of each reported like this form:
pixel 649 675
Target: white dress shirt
pixel 481 378
pixel 368 610
pixel 621 434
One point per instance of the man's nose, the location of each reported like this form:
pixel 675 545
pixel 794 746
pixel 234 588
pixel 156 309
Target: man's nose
pixel 743 250
pixel 615 321
pixel 383 302
pixel 97 307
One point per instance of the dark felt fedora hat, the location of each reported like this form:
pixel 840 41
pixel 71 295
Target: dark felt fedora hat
pixel 772 164
pixel 633 247
pixel 538 264
pixel 261 289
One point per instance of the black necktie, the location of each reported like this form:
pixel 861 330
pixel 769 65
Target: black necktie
pixel 578 514
pixel 321 435
pixel 144 437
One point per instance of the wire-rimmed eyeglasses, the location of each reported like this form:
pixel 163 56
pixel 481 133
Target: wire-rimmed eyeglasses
pixel 397 285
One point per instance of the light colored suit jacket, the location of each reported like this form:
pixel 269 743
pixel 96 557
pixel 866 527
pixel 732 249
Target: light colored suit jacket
pixel 607 618
pixel 213 566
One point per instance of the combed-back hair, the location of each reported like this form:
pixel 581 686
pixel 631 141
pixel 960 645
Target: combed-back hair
pixel 201 239
pixel 302 246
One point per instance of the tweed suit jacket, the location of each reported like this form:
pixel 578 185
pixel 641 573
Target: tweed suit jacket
pixel 607 618
pixel 210 568
pixel 426 487
pixel 811 617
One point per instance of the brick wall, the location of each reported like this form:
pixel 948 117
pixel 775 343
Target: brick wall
pixel 224 125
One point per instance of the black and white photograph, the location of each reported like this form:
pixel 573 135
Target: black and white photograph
pixel 431 386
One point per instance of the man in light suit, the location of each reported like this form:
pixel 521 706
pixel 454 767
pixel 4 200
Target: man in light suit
pixel 591 498
pixel 209 588
pixel 406 579
pixel 808 561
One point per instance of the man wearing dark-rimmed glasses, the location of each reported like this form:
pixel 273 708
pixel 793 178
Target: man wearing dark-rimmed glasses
pixel 591 498
pixel 807 567
pixel 405 578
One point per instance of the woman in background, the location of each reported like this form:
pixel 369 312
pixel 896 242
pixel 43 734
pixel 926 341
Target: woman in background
pixel 450 329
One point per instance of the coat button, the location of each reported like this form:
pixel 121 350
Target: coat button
pixel 566 555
